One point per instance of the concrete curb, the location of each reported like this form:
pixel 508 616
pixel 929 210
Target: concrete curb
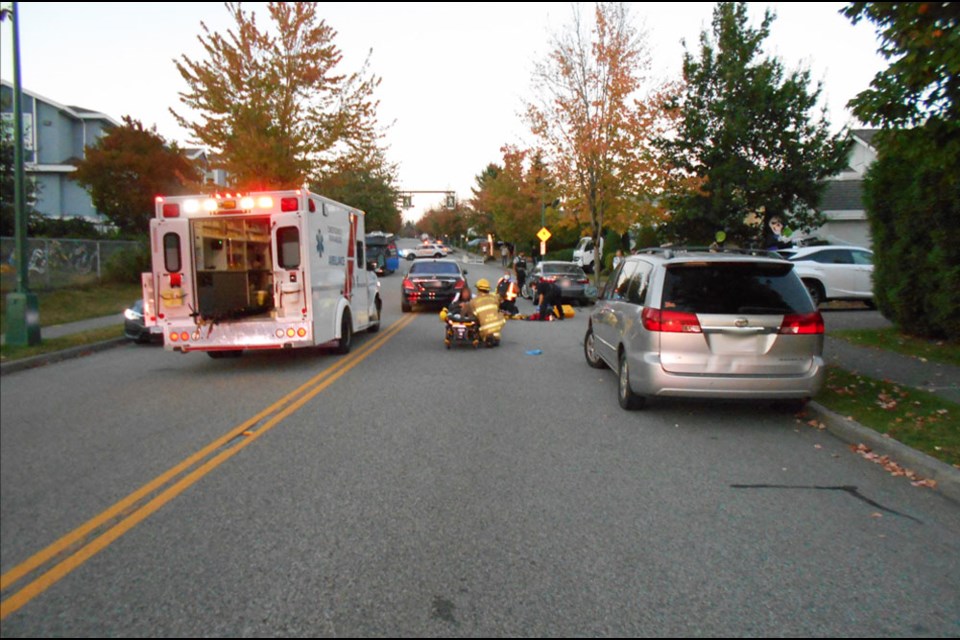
pixel 946 476
pixel 58 356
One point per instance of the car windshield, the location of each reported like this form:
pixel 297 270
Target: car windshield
pixel 435 268
pixel 731 288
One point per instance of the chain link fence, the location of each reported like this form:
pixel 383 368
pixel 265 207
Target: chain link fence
pixel 54 263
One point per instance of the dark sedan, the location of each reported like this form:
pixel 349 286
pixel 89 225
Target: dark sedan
pixel 434 282
pixel 134 327
pixel 574 284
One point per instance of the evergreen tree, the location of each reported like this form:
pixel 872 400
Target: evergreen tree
pixel 7 189
pixel 912 192
pixel 747 137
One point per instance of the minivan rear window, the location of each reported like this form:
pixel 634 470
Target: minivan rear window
pixel 735 287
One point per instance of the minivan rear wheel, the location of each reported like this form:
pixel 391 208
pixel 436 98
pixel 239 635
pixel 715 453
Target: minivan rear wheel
pixel 625 395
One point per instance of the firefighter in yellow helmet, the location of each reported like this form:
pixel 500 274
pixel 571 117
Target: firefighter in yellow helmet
pixel 486 307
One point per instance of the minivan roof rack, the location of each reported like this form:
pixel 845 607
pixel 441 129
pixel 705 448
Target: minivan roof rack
pixel 670 252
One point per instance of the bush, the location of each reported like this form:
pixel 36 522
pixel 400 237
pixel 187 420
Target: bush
pixel 565 255
pixel 126 266
pixel 78 228
pixel 912 196
pixel 646 237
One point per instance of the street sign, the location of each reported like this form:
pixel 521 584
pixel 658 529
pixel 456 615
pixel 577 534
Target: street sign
pixel 544 234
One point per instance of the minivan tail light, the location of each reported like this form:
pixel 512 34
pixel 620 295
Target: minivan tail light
pixel 670 321
pixel 802 324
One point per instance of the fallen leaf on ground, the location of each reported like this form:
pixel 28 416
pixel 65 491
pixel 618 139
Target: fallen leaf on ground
pixel 892 467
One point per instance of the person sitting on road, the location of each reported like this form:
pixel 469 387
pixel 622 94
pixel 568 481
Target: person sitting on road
pixel 461 303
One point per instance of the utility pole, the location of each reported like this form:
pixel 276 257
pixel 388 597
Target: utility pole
pixel 23 310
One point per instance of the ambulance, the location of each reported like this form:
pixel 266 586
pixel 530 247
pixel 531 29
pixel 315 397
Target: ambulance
pixel 265 270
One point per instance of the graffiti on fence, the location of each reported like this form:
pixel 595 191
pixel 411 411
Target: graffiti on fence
pixel 76 257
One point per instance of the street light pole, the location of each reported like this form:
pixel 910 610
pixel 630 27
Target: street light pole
pixel 23 310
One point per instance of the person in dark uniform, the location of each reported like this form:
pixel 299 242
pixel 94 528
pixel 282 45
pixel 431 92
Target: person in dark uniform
pixel 520 268
pixel 548 298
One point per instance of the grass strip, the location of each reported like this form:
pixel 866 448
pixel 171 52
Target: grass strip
pixel 10 353
pixel 916 418
pixel 69 305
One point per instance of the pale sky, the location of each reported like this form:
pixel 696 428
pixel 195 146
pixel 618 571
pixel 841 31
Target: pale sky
pixel 454 75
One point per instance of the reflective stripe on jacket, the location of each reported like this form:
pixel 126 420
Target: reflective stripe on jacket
pixel 487 309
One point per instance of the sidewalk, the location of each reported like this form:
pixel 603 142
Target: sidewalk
pixel 940 379
pixel 943 380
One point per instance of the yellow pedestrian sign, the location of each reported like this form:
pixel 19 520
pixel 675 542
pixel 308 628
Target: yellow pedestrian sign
pixel 543 234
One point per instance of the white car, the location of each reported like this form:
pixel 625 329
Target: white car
pixel 832 272
pixel 427 250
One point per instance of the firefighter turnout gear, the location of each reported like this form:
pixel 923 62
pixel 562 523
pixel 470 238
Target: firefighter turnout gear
pixel 486 307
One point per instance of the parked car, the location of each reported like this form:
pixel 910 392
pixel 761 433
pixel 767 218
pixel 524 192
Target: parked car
pixel 574 284
pixel 707 325
pixel 832 272
pixel 382 251
pixel 134 328
pixel 583 253
pixel 436 282
pixel 427 250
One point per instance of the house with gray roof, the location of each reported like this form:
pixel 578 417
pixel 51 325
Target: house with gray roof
pixel 842 200
pixel 55 138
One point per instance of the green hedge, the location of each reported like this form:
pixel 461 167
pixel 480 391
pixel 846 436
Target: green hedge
pixel 125 267
pixel 912 195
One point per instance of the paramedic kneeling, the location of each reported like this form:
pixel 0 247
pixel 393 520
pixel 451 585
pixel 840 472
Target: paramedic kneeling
pixel 548 298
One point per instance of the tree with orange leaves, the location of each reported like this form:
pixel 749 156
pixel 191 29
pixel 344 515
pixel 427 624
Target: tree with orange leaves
pixel 272 103
pixel 516 195
pixel 594 126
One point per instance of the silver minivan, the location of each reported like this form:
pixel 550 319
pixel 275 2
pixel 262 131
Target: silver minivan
pixel 706 324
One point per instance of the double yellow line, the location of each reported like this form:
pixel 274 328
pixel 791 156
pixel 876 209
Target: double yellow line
pixel 81 544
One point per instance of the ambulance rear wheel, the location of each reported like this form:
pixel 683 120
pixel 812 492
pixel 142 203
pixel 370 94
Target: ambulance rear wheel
pixel 374 327
pixel 346 335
